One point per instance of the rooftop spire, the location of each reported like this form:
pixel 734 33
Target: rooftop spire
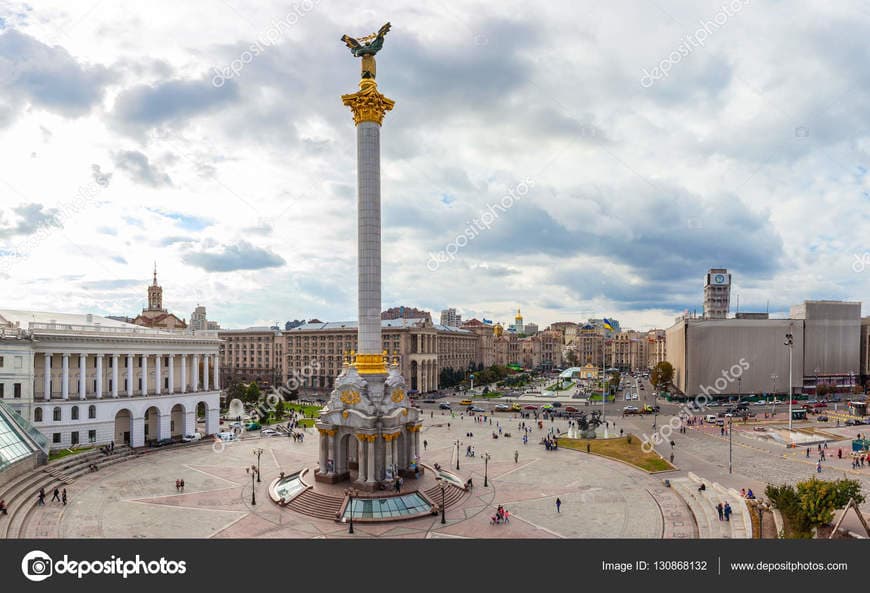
pixel 155 273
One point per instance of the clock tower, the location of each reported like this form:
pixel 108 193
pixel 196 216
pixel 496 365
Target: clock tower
pixel 717 294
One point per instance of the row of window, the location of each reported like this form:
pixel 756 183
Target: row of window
pixel 110 363
pixel 74 437
pixel 56 413
pixel 16 390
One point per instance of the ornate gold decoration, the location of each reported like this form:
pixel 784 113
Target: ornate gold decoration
pixel 350 397
pixel 370 364
pixel 361 437
pixel 390 437
pixel 404 411
pixel 345 414
pixel 397 395
pixel 327 431
pixel 368 104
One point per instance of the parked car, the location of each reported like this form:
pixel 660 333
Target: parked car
pixel 711 418
pixel 466 402
pixel 557 404
pixel 821 418
pixel 444 406
pixel 228 436
pixel 428 400
pixel 502 408
pixel 571 409
pixel 162 443
pixel 630 410
pixel 254 426
pixel 189 438
pixel 516 407
pixel 530 407
pixel 476 409
pixel 269 432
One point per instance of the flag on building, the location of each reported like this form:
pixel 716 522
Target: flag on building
pixel 607 324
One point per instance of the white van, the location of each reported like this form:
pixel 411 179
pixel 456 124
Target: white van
pixel 711 418
pixel 228 436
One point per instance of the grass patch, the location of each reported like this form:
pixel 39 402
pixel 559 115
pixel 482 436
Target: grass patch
pixel 306 423
pixel 308 411
pixel 67 452
pixel 627 449
pixel 564 386
pixel 488 395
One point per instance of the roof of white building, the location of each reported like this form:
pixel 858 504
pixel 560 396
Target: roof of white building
pixel 24 318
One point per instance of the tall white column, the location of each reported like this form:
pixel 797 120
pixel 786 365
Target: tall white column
pixel 369 236
pixel 144 374
pixel 46 380
pixel 331 450
pixel 217 382
pixel 195 383
pixel 388 451
pixel 184 373
pixel 324 453
pixel 158 375
pixel 115 360
pixel 83 376
pixel 64 385
pixel 130 388
pixel 99 376
pixel 205 359
pixel 172 376
pixel 370 459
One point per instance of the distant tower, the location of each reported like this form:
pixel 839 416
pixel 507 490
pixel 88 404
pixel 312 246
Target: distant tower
pixel 155 294
pixel 717 294
pixel 518 323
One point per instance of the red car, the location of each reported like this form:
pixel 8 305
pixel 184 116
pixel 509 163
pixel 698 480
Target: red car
pixel 530 407
pixel 571 409
pixel 820 405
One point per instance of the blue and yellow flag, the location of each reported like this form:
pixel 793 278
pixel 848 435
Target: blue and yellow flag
pixel 608 324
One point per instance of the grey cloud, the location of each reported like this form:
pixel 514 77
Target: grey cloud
pixel 141 169
pixel 29 218
pixel 240 256
pixel 172 102
pixel 48 76
pixel 100 178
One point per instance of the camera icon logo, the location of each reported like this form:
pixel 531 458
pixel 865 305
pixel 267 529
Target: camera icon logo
pixel 37 566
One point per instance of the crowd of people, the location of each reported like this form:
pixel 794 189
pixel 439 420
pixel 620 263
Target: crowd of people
pixel 502 515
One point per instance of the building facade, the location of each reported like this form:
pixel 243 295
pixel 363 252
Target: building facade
pixel 199 320
pixel 251 354
pixel 314 353
pixel 93 380
pixel 450 318
pixel 865 350
pixel 707 354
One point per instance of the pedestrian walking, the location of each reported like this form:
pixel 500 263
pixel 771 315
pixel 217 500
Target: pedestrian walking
pixel 558 505
pixel 41 497
pixel 721 510
pixel 819 467
pixel 63 496
pixel 182 485
pixel 808 452
pixel 177 485
pixel 56 495
pixel 516 456
pixel 425 444
pixel 727 511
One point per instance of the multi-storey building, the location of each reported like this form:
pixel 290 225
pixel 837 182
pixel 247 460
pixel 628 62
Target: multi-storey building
pixel 90 379
pixel 656 347
pixel 485 333
pixel 315 353
pixel 628 351
pixel 568 330
pixel 199 320
pixel 865 350
pixel 450 318
pixel 251 354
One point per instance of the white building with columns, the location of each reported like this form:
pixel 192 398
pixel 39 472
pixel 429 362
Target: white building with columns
pixel 93 380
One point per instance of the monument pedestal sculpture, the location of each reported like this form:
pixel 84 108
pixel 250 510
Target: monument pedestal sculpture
pixel 369 432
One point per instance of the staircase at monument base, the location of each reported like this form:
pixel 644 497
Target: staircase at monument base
pixel 451 496
pixel 316 505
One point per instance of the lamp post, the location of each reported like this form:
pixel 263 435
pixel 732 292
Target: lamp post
pixel 730 427
pixel 486 457
pixel 253 470
pixel 761 507
pixel 258 451
pixel 443 485
pixel 773 409
pixel 789 342
pixel 739 389
pixel 457 454
pixel 351 493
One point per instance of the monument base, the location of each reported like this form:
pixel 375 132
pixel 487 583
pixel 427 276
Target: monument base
pixel 331 478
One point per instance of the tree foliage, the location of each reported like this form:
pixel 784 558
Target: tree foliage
pixel 812 503
pixel 662 374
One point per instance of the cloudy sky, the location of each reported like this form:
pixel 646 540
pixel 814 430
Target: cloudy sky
pixel 643 143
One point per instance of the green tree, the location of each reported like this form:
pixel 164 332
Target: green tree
pixel 819 499
pixel 661 375
pixel 279 410
pixel 252 393
pixel 236 390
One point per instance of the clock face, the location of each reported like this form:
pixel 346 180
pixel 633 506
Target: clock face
pixel 719 279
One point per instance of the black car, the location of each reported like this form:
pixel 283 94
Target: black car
pixel 428 400
pixel 444 406
pixel 162 443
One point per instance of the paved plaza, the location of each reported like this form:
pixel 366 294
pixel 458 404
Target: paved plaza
pixel 600 498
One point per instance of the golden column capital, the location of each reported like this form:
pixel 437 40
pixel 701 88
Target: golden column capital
pixel 368 104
